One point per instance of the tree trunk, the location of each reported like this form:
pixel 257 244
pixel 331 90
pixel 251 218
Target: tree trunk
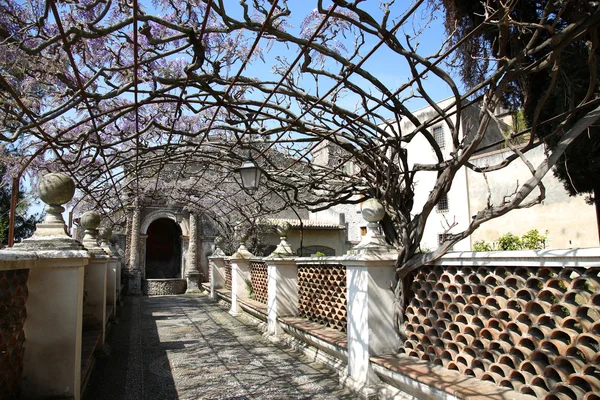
pixel 13 211
pixel 597 204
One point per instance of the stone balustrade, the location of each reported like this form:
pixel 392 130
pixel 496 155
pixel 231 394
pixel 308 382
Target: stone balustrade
pixel 49 284
pixel 497 325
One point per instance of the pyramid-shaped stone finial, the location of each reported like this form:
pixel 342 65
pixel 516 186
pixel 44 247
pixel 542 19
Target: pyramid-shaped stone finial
pixel 218 251
pixel 242 233
pixel 103 235
pixel 283 249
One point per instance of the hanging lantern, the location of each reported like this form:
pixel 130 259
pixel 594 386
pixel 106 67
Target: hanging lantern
pixel 250 175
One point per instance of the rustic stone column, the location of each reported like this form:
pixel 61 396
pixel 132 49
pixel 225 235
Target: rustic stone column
pixel 142 242
pixel 133 274
pixel 94 302
pixel 53 327
pixel 127 239
pixel 192 272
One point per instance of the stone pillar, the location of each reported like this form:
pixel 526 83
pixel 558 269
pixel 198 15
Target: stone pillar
pixel 370 303
pixel 370 307
pixel 240 272
pixel 111 272
pixel 205 249
pixel 282 291
pixel 53 328
pixel 94 302
pixel 192 272
pixel 113 244
pixel 217 268
pixel 133 274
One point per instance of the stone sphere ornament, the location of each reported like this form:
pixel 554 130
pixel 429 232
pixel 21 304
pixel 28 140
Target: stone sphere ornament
pixel 90 220
pixel 372 211
pixel 283 229
pixel 56 188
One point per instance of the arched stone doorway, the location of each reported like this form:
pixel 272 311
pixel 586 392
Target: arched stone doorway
pixel 163 249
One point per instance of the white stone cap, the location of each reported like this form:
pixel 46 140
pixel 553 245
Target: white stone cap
pixel 12 255
pixel 584 258
pixel 18 259
pixel 280 260
pixel 353 258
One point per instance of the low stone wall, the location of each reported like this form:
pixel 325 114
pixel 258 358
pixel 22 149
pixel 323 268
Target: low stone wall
pixel 13 295
pixel 161 287
pixel 532 329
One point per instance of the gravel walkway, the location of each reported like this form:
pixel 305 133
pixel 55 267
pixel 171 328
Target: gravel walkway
pixel 189 347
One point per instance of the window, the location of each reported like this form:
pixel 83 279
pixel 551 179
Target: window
pixel 438 136
pixel 442 205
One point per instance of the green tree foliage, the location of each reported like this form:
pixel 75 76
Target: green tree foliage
pixel 548 92
pixel 24 224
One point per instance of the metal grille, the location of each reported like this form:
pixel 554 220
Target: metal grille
pixel 438 135
pixel 322 294
pixel 442 205
pixel 534 330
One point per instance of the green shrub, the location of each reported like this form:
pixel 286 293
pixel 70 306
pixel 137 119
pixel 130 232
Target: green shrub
pixel 532 240
pixel 509 241
pixel 482 245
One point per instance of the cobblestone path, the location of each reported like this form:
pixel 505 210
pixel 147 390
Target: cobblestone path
pixel 188 347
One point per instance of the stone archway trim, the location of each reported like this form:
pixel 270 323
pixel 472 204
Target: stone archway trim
pixel 157 214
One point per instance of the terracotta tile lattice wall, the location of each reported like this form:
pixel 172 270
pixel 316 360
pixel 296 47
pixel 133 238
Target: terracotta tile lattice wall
pixel 535 330
pixel 259 279
pixel 227 264
pixel 322 294
pixel 13 295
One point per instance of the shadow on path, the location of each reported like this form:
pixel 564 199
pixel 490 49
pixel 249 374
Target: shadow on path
pixel 188 347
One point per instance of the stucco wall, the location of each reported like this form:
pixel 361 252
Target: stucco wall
pixel 570 221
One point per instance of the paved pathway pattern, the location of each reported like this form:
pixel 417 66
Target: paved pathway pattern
pixel 189 347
